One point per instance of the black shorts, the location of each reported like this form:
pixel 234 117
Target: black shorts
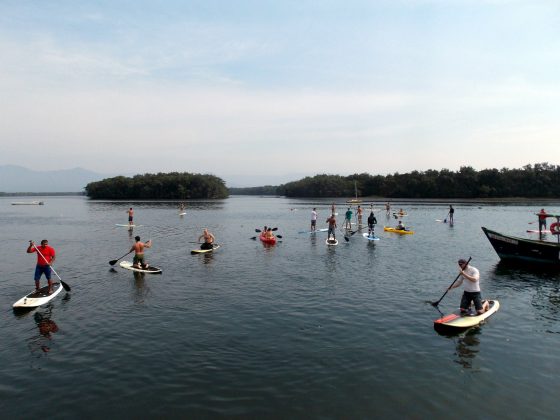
pixel 469 297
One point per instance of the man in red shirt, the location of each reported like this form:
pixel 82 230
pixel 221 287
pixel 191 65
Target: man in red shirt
pixel 45 258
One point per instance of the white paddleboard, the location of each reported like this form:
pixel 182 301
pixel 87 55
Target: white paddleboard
pixel 370 238
pixel 314 231
pixel 204 251
pixel 34 299
pixel 123 225
pixel 150 270
pixel 331 242
pixel 182 214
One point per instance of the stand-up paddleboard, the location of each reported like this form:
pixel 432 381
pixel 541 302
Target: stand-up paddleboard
pixel 536 231
pixel 331 241
pixel 123 225
pixel 457 322
pixel 313 231
pixel 204 251
pixel 370 238
pixel 150 270
pixel 183 213
pixel 38 298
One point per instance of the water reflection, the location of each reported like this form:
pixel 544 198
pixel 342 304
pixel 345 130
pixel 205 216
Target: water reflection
pixel 47 327
pixel 466 348
pixel 141 289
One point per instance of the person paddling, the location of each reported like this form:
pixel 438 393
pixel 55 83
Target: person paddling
pixel 332 226
pixel 130 216
pixel 45 257
pixel 371 222
pixel 208 239
pixel 472 288
pixel 400 226
pixel 313 219
pixel 138 248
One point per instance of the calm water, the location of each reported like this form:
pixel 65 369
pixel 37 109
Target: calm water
pixel 294 331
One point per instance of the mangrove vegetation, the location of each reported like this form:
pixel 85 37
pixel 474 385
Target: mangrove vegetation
pixel 540 180
pixel 160 186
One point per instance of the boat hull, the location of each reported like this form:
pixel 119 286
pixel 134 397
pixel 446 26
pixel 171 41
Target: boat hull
pixel 525 251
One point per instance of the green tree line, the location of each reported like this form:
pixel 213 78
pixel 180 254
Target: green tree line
pixel 539 180
pixel 164 186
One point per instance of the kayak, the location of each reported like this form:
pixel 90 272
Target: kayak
pixel 402 232
pixel 38 298
pixel 149 270
pixel 370 238
pixel 204 251
pixel 268 241
pixel 400 214
pixel 331 241
pixel 457 322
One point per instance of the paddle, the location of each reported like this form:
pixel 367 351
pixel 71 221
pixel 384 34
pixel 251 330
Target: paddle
pixel 66 287
pixel 273 229
pixel 445 220
pixel 113 262
pixel 456 278
pixel 254 237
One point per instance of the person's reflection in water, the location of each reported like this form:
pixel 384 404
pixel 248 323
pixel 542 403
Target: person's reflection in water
pixel 467 348
pixel 47 327
pixel 208 257
pixel 140 288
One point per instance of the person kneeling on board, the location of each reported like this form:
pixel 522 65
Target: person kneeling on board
pixel 472 288
pixel 208 240
pixel 138 248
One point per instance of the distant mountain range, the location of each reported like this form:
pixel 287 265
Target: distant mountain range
pixel 19 179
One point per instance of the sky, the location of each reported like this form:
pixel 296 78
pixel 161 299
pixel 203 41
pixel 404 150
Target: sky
pixel 266 92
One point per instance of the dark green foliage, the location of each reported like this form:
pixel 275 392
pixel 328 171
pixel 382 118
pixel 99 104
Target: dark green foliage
pixel 266 190
pixel 540 180
pixel 160 186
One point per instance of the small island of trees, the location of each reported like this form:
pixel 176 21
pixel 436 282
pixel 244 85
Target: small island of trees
pixel 540 180
pixel 160 186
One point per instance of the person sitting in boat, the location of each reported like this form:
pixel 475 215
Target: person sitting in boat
pixel 371 222
pixel 400 226
pixel 208 239
pixel 138 248
pixel 471 291
pixel 268 234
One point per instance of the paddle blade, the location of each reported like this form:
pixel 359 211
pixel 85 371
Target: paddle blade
pixel 257 230
pixel 435 304
pixel 113 262
pixel 279 236
pixel 274 229
pixel 347 239
pixel 253 238
pixel 65 286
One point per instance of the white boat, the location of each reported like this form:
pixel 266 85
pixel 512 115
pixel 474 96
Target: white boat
pixel 28 203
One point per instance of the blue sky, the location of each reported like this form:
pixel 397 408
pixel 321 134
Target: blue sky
pixel 261 92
